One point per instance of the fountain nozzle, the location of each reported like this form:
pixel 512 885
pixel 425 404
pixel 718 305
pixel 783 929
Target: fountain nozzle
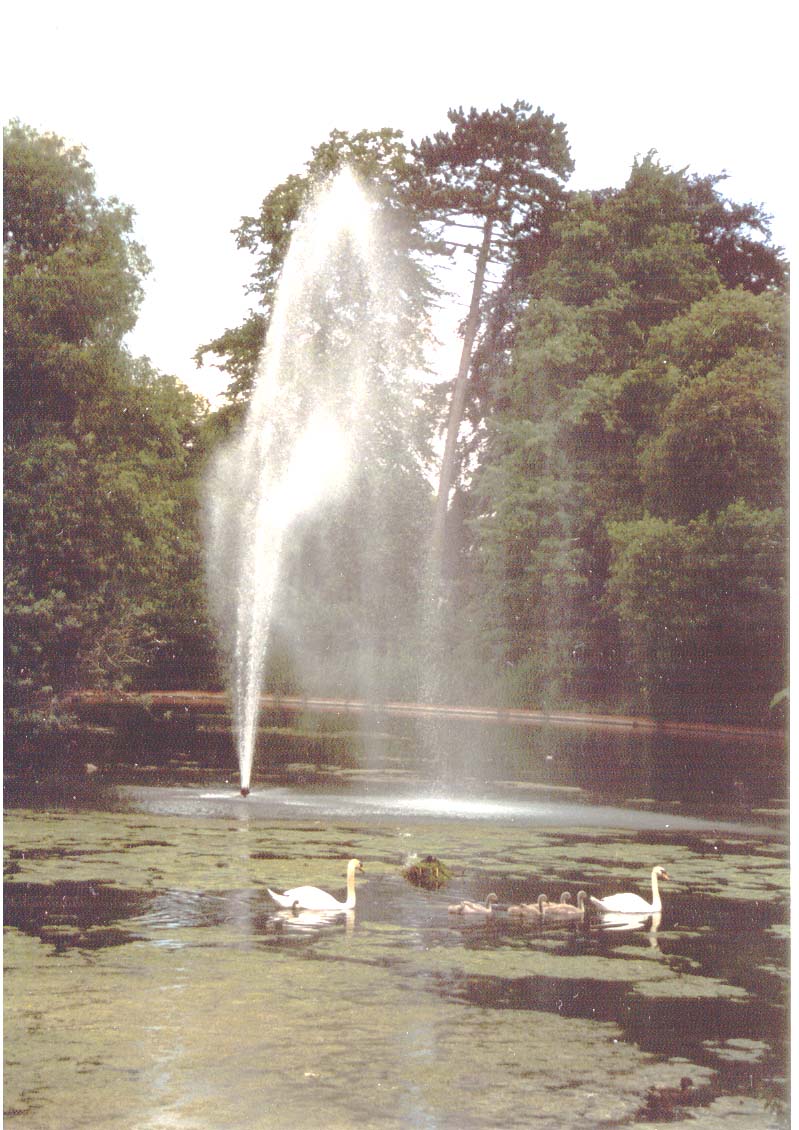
pixel 245 792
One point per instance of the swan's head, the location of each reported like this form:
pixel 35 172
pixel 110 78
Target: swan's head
pixel 542 901
pixel 661 873
pixel 492 898
pixel 354 865
pixel 581 897
pixel 566 897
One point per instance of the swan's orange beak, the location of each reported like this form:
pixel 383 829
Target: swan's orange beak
pixel 665 875
pixel 360 867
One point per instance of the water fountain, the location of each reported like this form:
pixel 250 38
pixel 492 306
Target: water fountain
pixel 331 336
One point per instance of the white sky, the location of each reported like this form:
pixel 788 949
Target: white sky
pixel 192 113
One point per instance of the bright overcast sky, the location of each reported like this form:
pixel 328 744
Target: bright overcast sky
pixel 192 113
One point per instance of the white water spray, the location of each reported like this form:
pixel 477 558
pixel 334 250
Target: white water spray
pixel 308 414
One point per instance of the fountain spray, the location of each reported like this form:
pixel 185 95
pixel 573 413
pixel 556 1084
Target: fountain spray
pixel 302 432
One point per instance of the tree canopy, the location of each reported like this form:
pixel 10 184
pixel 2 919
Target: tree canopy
pixel 382 163
pixel 644 397
pixel 504 169
pixel 72 280
pixel 98 447
pixel 616 500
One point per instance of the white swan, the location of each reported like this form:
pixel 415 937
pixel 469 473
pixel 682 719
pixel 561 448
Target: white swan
pixel 312 898
pixel 467 907
pixel 633 904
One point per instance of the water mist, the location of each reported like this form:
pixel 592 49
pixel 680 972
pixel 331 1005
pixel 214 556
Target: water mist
pixel 310 415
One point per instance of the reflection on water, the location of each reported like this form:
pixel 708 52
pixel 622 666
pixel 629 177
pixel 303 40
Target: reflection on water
pixel 308 921
pixel 624 923
pixel 348 803
pixel 614 921
pixel 151 982
pixel 432 762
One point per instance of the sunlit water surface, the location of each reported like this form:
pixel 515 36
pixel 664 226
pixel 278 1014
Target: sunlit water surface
pixel 150 982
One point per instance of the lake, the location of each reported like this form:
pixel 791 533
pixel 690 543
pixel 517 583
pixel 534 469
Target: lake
pixel 151 983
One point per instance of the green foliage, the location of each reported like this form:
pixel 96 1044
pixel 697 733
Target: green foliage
pixel 502 165
pixel 383 165
pixel 619 517
pixel 637 428
pixel 100 516
pixel 503 169
pixel 97 527
pixel 713 330
pixel 723 437
pixel 703 609
pixel 72 280
pixel 737 238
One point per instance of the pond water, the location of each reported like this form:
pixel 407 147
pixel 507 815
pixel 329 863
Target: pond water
pixel 151 983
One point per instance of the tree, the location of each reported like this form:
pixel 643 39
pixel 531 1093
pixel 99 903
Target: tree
pixel 99 528
pixel 502 169
pixel 641 380
pixel 382 163
pixel 99 449
pixel 737 237
pixel 72 281
pixel 724 437
pixel 703 610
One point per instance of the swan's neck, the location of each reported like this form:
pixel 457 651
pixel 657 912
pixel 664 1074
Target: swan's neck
pixel 350 887
pixel 656 903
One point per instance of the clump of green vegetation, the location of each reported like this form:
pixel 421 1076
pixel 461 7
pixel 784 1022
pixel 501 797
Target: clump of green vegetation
pixel 429 872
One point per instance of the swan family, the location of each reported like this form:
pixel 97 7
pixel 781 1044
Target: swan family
pixel 621 906
pixel 542 908
pixel 615 906
pixel 618 909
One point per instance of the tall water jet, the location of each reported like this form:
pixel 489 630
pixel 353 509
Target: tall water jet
pixel 312 410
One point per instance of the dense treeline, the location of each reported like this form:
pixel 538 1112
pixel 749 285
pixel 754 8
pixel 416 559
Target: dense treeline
pixel 100 452
pixel 626 516
pixel 616 527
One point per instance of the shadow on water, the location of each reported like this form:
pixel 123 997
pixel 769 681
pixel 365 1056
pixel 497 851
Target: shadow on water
pixel 67 914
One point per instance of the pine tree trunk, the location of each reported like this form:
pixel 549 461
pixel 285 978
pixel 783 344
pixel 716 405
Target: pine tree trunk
pixel 457 405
